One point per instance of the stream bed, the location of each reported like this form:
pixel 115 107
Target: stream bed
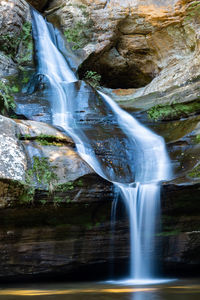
pixel 187 289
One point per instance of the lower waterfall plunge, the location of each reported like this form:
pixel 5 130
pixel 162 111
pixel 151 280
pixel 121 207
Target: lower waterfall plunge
pixel 139 158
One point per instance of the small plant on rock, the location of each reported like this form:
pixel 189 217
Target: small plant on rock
pixel 6 99
pixel 93 78
pixel 41 173
pixel 77 35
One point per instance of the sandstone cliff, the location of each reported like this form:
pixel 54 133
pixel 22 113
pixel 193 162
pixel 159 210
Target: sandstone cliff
pixel 147 53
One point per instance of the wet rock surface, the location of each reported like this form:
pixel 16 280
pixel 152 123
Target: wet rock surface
pixel 59 240
pixel 131 44
pixel 75 220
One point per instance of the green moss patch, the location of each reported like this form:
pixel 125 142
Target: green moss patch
pixel 79 34
pixel 6 98
pixel 193 10
pixel 197 139
pixel 169 233
pixel 173 111
pixel 195 173
pixel 42 174
pixel 10 43
pixel 45 139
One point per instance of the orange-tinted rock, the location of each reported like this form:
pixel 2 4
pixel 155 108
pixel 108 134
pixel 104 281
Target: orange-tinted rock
pixel 132 43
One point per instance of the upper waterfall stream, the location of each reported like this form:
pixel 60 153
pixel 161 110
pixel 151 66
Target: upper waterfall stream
pixel 110 140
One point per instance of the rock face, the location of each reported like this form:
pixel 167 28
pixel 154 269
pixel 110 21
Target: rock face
pixel 149 46
pixel 76 236
pixel 131 43
pixel 14 18
pixel 13 160
pixel 75 219
pixel 55 240
pixel 49 234
pixel 28 146
pixel 61 221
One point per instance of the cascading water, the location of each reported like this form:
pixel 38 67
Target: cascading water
pixel 135 160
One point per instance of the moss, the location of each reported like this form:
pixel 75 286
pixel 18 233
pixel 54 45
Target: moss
pixel 79 34
pixel 57 200
pixel 45 139
pixel 10 43
pixel 26 43
pixel 61 189
pixel 41 174
pixel 193 10
pixel 79 183
pixel 195 173
pixel 6 98
pixel 27 195
pixel 19 82
pixel 68 186
pixel 45 142
pixel 197 139
pixel 169 233
pixel 173 111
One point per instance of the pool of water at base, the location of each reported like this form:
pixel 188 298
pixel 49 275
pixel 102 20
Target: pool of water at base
pixel 188 289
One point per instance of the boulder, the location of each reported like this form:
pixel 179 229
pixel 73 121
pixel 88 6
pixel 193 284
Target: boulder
pixel 30 149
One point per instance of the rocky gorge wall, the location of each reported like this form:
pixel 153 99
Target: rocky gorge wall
pixel 61 223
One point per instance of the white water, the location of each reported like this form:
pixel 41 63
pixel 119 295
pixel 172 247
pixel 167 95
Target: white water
pixel 150 163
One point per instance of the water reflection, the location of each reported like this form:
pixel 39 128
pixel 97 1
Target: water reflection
pixel 151 295
pixel 185 290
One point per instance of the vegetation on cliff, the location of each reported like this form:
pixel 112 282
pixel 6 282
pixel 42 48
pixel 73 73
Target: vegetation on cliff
pixel 6 98
pixel 10 44
pixel 78 34
pixel 173 111
pixel 93 78
pixel 195 172
pixel 40 174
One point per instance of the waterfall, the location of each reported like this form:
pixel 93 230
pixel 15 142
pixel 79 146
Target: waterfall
pixel 138 160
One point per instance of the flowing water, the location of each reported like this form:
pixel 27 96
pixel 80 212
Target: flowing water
pixel 110 140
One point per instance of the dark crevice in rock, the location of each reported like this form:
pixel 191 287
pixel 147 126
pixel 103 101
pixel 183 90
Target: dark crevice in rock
pixel 127 62
pixel 128 76
pixel 40 5
pixel 46 6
